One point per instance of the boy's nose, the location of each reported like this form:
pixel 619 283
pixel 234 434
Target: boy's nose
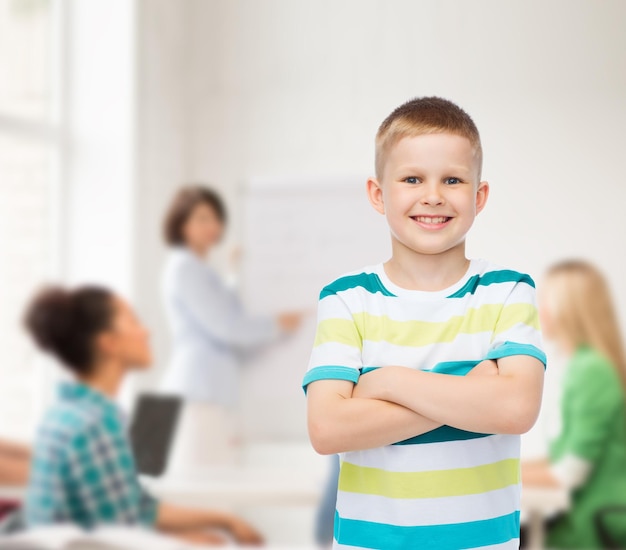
pixel 432 195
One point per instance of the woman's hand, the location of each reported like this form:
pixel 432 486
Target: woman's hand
pixel 289 322
pixel 243 532
pixel 205 526
pixel 538 473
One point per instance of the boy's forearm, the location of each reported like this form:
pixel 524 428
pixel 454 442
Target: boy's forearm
pixel 357 424
pixel 507 403
pixel 341 423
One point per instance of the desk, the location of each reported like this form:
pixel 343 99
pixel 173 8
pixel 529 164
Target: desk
pixel 239 487
pixel 538 504
pixel 243 487
pixel 12 492
pixel 282 502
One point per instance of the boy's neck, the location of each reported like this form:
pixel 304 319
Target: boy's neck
pixel 427 272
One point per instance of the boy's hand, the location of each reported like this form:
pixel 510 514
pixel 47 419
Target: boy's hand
pixel 486 367
pixel 370 384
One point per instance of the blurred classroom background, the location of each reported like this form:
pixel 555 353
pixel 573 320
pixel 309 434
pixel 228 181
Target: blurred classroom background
pixel 108 106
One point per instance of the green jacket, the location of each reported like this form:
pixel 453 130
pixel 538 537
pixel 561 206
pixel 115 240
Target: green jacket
pixel 593 428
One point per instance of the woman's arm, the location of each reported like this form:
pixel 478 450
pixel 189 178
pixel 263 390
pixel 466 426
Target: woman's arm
pixel 14 463
pixel 537 473
pixel 14 471
pixel 177 520
pixel 570 473
pixel 213 307
pixel 16 450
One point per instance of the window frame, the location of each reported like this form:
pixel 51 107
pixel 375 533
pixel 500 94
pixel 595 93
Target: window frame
pixel 51 133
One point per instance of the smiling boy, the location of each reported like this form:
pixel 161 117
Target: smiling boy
pixel 427 368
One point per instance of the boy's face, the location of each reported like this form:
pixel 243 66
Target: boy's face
pixel 430 192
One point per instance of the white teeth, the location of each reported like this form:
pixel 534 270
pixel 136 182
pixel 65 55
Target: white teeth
pixel 430 219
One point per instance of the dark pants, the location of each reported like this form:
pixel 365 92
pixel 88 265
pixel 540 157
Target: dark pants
pixel 325 519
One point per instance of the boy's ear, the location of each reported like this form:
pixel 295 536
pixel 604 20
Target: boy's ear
pixel 375 195
pixel 482 194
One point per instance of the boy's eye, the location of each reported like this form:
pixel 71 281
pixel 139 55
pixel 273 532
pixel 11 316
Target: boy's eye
pixel 452 181
pixel 411 179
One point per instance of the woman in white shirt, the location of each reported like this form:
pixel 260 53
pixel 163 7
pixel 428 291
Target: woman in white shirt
pixel 211 331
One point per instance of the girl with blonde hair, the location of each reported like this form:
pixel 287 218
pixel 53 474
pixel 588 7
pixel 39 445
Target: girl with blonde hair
pixel 588 457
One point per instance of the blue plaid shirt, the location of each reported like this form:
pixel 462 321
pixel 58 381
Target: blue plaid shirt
pixel 83 469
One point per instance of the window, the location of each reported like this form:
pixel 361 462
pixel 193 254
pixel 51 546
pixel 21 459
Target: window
pixel 30 161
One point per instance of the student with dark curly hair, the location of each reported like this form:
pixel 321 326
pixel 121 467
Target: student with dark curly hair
pixel 83 470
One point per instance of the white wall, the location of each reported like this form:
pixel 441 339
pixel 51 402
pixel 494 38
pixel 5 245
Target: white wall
pixel 162 92
pixel 224 91
pixel 297 87
pixel 282 87
pixel 99 111
pixel 162 149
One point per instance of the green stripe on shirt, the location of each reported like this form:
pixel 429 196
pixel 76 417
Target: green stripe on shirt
pixel 430 484
pixel 380 328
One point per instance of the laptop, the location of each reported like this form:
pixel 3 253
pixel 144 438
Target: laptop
pixel 152 431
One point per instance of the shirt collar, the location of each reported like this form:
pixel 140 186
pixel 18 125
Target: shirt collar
pixel 80 392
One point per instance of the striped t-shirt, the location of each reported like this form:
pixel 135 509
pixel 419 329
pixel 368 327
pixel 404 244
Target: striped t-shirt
pixel 447 488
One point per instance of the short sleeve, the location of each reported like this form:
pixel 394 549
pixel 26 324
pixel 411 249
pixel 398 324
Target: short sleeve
pixel 148 508
pixel 338 343
pixel 592 400
pixel 517 329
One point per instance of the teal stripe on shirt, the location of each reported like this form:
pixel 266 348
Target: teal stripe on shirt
pixel 457 368
pixel 368 281
pixel 441 434
pixel 492 277
pixel 330 372
pixel 513 348
pixel 472 534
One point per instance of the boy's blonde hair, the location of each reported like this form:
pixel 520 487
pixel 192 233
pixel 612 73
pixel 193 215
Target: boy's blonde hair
pixel 425 115
pixel 582 310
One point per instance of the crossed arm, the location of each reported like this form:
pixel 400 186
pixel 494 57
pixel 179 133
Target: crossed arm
pixel 395 403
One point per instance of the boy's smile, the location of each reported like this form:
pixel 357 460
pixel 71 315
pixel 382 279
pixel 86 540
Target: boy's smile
pixel 431 222
pixel 430 193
